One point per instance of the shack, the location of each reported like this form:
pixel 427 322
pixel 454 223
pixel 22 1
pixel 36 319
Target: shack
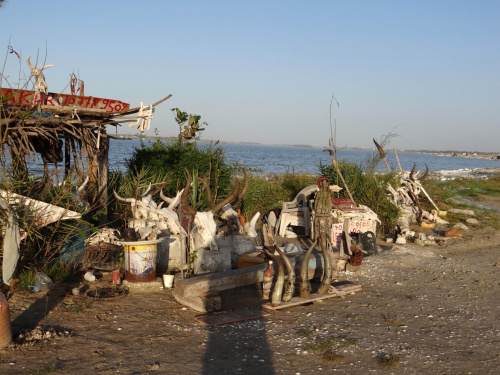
pixel 65 129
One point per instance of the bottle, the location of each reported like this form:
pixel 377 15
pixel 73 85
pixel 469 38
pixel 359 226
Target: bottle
pixel 268 280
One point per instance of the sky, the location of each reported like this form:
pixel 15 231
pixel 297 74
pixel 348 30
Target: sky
pixel 426 72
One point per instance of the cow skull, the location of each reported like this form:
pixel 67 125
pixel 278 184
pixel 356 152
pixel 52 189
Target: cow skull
pixel 40 84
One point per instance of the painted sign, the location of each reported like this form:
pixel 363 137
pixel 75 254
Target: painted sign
pixel 32 98
pixel 355 226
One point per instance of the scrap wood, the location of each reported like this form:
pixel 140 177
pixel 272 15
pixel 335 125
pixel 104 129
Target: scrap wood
pixel 137 109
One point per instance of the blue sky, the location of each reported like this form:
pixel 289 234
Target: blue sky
pixel 265 71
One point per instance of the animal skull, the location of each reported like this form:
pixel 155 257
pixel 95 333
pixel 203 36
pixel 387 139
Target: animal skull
pixel 40 84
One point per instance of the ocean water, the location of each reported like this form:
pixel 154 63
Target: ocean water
pixel 281 159
pixel 265 159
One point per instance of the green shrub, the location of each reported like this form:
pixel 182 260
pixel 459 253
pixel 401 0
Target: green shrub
pixel 267 193
pixel 173 158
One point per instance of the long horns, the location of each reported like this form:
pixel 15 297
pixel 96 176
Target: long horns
pixel 421 178
pixel 426 173
pixel 217 207
pixel 129 200
pixel 185 194
pixel 39 69
pixel 233 198
pixel 243 191
pixel 157 190
pixel 412 171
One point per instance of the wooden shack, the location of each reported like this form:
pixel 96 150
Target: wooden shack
pixel 65 129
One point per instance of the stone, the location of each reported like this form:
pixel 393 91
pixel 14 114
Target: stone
pixel 472 221
pixel 461 226
pixel 400 240
pixel 461 211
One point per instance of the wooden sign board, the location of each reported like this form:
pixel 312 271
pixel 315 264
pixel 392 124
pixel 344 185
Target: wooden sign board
pixel 32 98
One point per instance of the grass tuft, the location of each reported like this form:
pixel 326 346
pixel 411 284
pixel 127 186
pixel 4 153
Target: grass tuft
pixel 388 359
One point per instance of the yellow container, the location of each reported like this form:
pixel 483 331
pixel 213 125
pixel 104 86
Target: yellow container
pixel 140 260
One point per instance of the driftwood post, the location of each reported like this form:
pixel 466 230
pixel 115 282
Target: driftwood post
pixel 397 159
pixel 102 173
pixel 67 155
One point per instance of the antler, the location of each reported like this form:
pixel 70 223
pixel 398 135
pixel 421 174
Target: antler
pixel 426 173
pixel 158 189
pixel 34 67
pixel 185 194
pixel 147 191
pixel 129 200
pixel 165 198
pixel 246 184
pixel 217 207
pixel 29 64
pixel 80 189
pixel 412 171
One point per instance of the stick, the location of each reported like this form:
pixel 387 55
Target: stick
pixel 429 198
pixel 334 162
pixel 136 109
pixel 382 154
pixel 397 159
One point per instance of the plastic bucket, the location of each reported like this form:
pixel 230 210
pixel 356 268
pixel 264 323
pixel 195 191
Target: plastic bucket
pixel 168 281
pixel 140 260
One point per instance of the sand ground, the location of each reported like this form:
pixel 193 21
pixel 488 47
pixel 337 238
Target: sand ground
pixel 422 310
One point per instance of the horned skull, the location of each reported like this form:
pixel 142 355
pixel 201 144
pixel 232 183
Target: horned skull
pixel 40 84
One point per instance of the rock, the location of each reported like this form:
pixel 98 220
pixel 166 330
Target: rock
pixel 461 226
pixel 400 240
pixel 472 221
pixel 426 242
pixel 463 212
pixel 453 232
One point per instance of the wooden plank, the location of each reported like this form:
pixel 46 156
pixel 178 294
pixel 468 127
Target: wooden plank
pixel 217 282
pixel 226 317
pixel 342 290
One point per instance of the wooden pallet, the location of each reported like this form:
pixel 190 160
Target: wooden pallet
pixel 341 290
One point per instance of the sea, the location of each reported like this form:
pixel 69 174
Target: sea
pixel 272 159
